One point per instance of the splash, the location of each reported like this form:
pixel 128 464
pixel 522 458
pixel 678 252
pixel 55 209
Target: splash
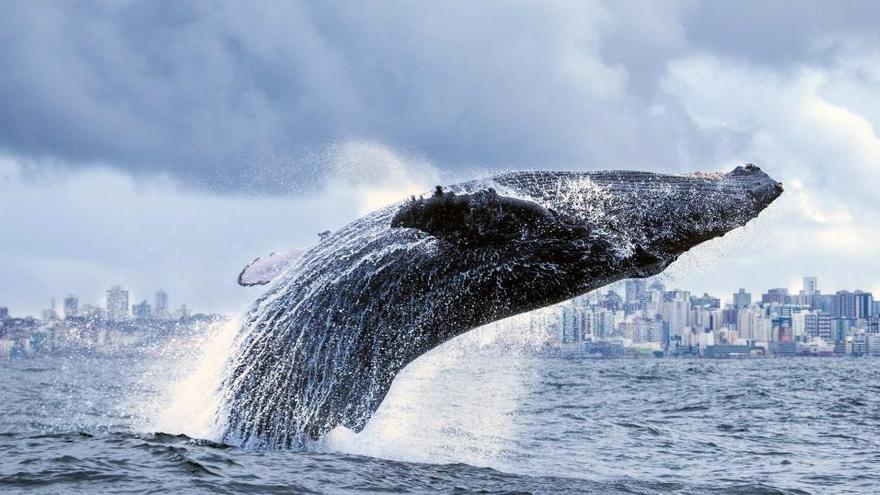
pixel 437 412
pixel 188 401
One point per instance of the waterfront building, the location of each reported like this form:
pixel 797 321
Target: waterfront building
pixel 817 324
pixel 798 325
pixel 71 307
pixel 161 308
pixel 572 324
pixel 742 299
pixel 657 285
pixel 634 294
pixel 50 314
pixel 142 311
pixel 776 296
pixel 823 302
pixel 753 325
pixel 91 312
pixel 676 313
pixel 117 304
pixel 706 301
pixel 612 301
pixel 864 305
pixel 811 285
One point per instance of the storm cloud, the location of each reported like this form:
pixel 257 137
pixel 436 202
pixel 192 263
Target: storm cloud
pixel 247 96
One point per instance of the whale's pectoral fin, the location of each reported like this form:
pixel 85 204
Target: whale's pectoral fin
pixel 481 219
pixel 263 270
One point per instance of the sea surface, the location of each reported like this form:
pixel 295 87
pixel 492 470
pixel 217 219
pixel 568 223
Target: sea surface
pixel 468 418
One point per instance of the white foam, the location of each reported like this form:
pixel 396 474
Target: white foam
pixel 456 403
pixel 188 402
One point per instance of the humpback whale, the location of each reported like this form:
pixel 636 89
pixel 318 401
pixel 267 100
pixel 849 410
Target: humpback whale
pixel 321 347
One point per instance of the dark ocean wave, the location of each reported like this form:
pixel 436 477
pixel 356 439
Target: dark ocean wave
pixel 527 426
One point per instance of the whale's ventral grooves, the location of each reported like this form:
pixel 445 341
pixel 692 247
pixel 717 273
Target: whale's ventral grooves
pixel 322 346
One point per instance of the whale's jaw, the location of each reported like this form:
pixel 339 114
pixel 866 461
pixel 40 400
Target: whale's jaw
pixel 322 346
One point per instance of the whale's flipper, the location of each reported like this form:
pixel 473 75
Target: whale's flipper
pixel 263 270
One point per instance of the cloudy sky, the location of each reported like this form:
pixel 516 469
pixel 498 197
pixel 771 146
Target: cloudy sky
pixel 166 144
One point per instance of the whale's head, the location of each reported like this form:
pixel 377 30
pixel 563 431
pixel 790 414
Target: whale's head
pixel 652 218
pixel 589 228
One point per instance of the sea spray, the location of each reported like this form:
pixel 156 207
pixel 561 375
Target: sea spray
pixel 187 401
pixel 436 412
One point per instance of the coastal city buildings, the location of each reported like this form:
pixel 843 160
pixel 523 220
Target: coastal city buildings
pixel 113 326
pixel 635 317
pixel 655 321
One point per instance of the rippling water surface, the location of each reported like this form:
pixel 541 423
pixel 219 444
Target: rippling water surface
pixel 461 420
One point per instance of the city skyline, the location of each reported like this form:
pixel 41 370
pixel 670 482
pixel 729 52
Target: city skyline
pixel 116 303
pixel 808 284
pixel 627 318
pixel 646 316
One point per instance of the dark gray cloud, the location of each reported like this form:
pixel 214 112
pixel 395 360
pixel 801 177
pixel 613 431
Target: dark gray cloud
pixel 778 32
pixel 246 96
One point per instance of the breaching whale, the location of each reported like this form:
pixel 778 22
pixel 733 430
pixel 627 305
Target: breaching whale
pixel 322 345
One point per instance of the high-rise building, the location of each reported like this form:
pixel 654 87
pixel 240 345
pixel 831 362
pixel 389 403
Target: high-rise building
pixel 842 304
pixel 71 307
pixel 864 305
pixel 50 314
pixel 775 296
pixel 817 324
pixel 601 324
pixel 657 285
pixel 161 307
pixel 798 325
pixel 571 324
pixel 142 311
pixel 4 313
pixel 676 312
pixel 91 312
pixel 706 301
pixel 182 312
pixel 742 299
pixel 634 294
pixel 728 316
pixel 823 302
pixel 117 304
pixel 760 327
pixel 612 301
pixel 811 285
pixel 857 305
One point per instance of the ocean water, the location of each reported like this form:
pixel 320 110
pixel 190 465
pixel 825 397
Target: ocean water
pixel 471 416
